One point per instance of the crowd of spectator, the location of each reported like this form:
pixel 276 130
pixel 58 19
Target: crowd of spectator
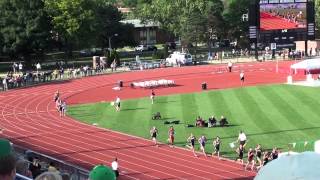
pixel 18 77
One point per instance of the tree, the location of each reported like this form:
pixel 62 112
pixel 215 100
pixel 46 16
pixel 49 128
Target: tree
pixel 317 13
pixel 107 24
pixel 24 29
pixel 73 21
pixel 182 17
pixel 235 26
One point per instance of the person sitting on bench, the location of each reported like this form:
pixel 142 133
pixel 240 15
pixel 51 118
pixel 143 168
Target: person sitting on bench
pixel 156 116
pixel 223 121
pixel 212 121
pixel 199 122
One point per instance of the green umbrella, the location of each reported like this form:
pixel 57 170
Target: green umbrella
pixel 102 172
pixel 5 147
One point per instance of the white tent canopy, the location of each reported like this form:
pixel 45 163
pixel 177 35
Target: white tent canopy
pixel 304 166
pixel 308 65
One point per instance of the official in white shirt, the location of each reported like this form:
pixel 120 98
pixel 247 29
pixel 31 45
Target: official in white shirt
pixel 242 138
pixel 115 167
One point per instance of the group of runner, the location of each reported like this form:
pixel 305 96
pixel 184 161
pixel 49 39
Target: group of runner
pixel 191 140
pixel 61 105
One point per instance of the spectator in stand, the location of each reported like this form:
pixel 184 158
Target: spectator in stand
pixel 7 161
pixel 35 167
pixel 14 67
pixel 22 168
pixel 38 67
pixel 49 176
pixel 52 168
pixel 20 67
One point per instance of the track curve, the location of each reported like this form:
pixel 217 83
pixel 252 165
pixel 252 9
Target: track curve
pixel 30 120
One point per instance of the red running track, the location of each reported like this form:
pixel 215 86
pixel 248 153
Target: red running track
pixel 270 22
pixel 30 120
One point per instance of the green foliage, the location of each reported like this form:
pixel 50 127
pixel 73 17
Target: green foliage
pixel 158 55
pixel 234 25
pixel 317 12
pixel 113 56
pixel 193 20
pixel 24 29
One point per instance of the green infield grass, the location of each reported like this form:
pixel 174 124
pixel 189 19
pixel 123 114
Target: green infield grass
pixel 272 115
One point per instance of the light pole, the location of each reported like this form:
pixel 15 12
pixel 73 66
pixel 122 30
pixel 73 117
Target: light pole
pixel 109 38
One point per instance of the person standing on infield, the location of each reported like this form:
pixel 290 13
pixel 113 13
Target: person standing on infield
pixel 242 77
pixel 152 96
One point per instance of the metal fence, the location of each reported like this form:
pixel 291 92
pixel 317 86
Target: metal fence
pixel 75 172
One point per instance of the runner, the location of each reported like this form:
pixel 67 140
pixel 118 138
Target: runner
pixel 202 142
pixel 191 142
pixel 250 159
pixel 152 96
pixel 259 154
pixel 216 146
pixel 240 151
pixel 154 133
pixel 171 136
pixel 56 96
pixel 64 108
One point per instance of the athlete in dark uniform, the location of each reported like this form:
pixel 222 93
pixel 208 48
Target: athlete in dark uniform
pixel 259 154
pixel 191 142
pixel 274 153
pixel 153 133
pixel 240 152
pixel 216 145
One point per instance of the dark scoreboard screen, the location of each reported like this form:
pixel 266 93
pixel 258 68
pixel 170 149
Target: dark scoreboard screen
pixel 282 21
